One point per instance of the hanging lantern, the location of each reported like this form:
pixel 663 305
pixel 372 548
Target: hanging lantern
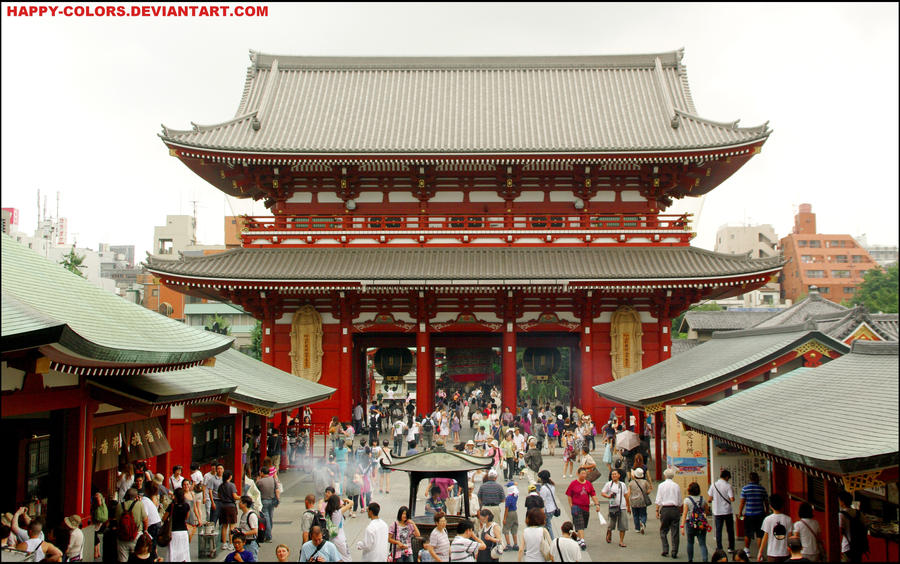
pixel 393 364
pixel 541 362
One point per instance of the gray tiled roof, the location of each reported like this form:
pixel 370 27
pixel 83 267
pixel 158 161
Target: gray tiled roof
pixel 841 325
pixel 722 320
pixel 683 345
pixel 725 356
pixel 24 326
pixel 886 323
pixel 98 325
pixel 800 416
pixel 244 378
pixel 813 305
pixel 403 105
pixel 448 264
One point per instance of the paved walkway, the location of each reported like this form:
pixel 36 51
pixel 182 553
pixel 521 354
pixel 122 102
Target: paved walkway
pixel 640 548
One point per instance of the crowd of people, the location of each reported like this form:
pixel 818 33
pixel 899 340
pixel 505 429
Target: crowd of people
pixel 236 514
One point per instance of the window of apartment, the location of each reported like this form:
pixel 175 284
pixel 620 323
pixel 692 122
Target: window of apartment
pixel 165 246
pixel 837 243
pixel 815 244
pixel 858 258
pixel 806 258
pixel 767 299
pixel 849 290
pixel 840 273
pixel 840 258
pixel 154 292
pixel 801 242
pixel 862 273
pixel 815 274
pixel 824 290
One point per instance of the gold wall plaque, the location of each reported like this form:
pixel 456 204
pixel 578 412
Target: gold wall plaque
pixel 626 335
pixel 306 344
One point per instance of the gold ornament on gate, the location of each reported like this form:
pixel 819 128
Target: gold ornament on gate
pixel 306 344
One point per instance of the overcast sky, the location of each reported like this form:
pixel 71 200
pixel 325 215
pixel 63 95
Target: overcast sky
pixel 83 99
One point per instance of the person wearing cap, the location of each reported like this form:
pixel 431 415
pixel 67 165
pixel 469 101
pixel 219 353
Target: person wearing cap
pixel 533 460
pixel 491 494
pixel 638 493
pixel 470 447
pixel 775 529
pixel 76 538
pixel 511 516
pixel 533 499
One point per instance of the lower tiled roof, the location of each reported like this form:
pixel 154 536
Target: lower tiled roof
pixel 449 264
pixel 801 416
pixel 722 320
pixel 725 356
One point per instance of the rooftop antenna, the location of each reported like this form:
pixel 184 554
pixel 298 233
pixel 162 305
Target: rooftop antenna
pixel 39 207
pixel 194 223
pixel 57 205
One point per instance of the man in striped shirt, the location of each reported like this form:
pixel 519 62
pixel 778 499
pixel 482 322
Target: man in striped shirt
pixel 754 507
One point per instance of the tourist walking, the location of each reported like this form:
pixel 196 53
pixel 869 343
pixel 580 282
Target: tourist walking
pixel 722 496
pixel 178 512
pixel 334 511
pixel 131 528
pixel 228 497
pixel 533 460
pixel 581 493
pixel 547 490
pixel 535 539
pixel 438 545
pixel 754 508
pixel 248 525
pixel 565 547
pixel 400 536
pixel 489 533
pixel 619 503
pixel 693 522
pixel 491 495
pixel 639 497
pixel 211 482
pixel 465 544
pixel 384 474
pixel 775 529
pixel 807 528
pixel 317 549
pixel 668 502
pixel 270 498
pixel 374 545
pixel 511 516
pixel 569 454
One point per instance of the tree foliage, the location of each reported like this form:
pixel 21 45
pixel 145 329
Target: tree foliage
pixel 217 324
pixel 878 292
pixel 256 341
pixel 676 323
pixel 72 262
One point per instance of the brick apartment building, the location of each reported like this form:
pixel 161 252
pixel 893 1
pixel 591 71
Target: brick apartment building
pixel 833 263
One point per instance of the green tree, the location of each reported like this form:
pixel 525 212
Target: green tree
pixel 676 323
pixel 256 342
pixel 72 262
pixel 217 324
pixel 878 292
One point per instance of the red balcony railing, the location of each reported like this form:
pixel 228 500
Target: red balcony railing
pixel 575 229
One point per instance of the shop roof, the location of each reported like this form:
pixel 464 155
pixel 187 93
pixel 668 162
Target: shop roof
pixel 97 328
pixel 465 105
pixel 725 356
pixel 805 416
pixel 726 320
pixel 813 305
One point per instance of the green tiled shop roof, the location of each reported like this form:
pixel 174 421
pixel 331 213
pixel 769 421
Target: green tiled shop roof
pixel 99 328
pixel 246 379
pixel 802 416
pixel 454 264
pixel 724 356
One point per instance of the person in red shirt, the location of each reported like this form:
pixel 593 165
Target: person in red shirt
pixel 580 493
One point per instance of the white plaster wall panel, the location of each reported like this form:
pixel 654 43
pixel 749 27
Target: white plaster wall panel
pixel 300 198
pixel 604 196
pixel 261 242
pixel 646 317
pixel 561 196
pixel 398 316
pixel 525 240
pixel 448 197
pixel 404 197
pixel 632 196
pixel 402 242
pixel 285 319
pixel 328 319
pixel 293 242
pixel 568 240
pixel 530 196
pixel 488 240
pixel 605 317
pixel 327 242
pixel 370 198
pixel 444 241
pixel 363 242
pixel 562 315
pixel 12 378
pixel 56 379
pixel 329 198
pixel 484 197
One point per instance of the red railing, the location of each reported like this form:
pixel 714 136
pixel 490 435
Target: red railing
pixel 425 228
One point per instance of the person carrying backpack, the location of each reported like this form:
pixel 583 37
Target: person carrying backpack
pixel 854 535
pixel 428 431
pixel 694 524
pixel 132 521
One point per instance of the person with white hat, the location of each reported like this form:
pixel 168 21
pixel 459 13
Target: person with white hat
pixel 639 493
pixel 76 538
pixel 491 494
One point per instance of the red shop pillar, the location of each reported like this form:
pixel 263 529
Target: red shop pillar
pixel 166 460
pixel 508 389
pixel 424 371
pixel 283 464
pixel 263 438
pixel 832 531
pixel 657 442
pixel 587 370
pixel 238 444
pixel 345 390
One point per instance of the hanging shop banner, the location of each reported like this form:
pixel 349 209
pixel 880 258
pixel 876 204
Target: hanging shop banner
pixel 723 456
pixel 686 451
pixel 145 439
pixel 107 446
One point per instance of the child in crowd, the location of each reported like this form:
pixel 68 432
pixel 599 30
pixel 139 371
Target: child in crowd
pixel 511 516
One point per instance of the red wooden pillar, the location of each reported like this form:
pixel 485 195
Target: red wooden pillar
pixel 508 388
pixel 268 340
pixel 587 367
pixel 345 390
pixel 780 479
pixel 284 442
pixel 831 536
pixel 90 407
pixel 238 442
pixel 166 460
pixel 424 370
pixel 263 438
pixel 78 450
pixel 657 442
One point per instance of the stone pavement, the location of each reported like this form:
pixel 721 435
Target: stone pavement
pixel 297 483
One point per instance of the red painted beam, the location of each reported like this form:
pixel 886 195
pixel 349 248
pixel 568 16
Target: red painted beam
pixel 23 403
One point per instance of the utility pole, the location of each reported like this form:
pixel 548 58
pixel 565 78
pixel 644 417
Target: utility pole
pixel 194 223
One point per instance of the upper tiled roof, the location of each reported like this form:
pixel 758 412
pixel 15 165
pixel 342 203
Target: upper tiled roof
pixel 243 378
pixel 97 326
pixel 464 105
pixel 800 312
pixel 683 345
pixel 725 356
pixel 785 416
pixel 722 320
pixel 450 264
pixel 24 326
pixel 842 324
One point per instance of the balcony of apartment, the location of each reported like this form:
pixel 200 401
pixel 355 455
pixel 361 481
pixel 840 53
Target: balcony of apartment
pixel 578 229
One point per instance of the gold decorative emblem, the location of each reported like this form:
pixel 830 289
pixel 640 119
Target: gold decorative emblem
pixel 862 481
pixel 626 335
pixel 812 346
pixel 306 344
pixel 654 408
